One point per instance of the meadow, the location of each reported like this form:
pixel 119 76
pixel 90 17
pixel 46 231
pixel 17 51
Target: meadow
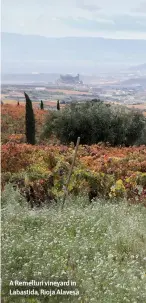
pixel 102 247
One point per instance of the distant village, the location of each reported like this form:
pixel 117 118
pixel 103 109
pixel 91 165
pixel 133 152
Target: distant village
pixel 68 88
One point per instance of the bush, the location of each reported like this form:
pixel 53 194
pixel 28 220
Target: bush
pixel 96 122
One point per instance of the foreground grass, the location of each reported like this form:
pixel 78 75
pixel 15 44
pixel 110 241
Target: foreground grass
pixel 102 247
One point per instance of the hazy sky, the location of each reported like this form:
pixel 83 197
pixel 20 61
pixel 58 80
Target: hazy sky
pixel 60 18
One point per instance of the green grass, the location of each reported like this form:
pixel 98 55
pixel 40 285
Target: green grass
pixel 102 247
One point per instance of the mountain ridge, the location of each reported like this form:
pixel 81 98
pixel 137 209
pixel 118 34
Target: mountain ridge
pixel 29 53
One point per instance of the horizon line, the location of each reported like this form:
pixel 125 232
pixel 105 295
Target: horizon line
pixel 77 37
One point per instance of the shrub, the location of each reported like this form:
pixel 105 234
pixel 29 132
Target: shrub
pixel 96 167
pixel 96 122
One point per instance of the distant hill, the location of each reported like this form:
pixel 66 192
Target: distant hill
pixel 28 53
pixel 28 78
pixel 136 81
pixel 141 67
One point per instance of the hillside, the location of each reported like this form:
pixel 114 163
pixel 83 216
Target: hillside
pixel 96 239
pixel 114 171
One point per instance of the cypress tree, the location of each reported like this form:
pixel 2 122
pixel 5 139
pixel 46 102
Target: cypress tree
pixel 29 121
pixel 42 105
pixel 58 105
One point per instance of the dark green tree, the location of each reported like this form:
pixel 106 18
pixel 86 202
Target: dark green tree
pixel 42 105
pixel 58 105
pixel 29 121
pixel 94 122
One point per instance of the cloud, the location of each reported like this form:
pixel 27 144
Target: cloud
pixel 115 23
pixel 141 8
pixel 89 7
pixel 56 18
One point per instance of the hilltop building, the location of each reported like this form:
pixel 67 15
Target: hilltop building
pixel 69 79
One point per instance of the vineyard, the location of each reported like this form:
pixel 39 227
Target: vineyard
pixel 97 239
pixel 13 122
pixel 107 172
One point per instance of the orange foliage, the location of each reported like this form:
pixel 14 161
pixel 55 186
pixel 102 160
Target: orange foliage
pixel 13 121
pixel 115 170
